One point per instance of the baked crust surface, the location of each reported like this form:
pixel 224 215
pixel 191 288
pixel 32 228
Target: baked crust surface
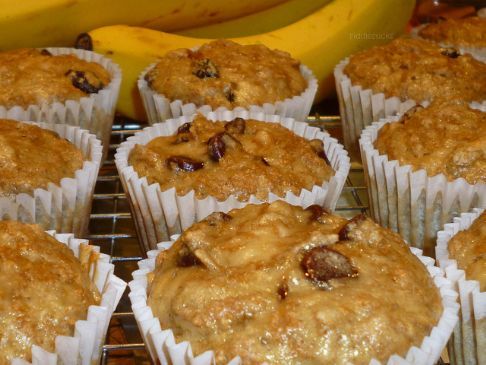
pixel 224 73
pixel 32 157
pixel 280 284
pixel 44 290
pixel 254 158
pixel 470 31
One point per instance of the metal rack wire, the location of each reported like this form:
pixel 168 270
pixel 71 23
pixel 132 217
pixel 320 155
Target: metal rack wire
pixel 112 228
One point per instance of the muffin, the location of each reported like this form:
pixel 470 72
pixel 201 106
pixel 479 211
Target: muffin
pixel 280 284
pixel 48 174
pixel 46 293
pixel 389 79
pixel 467 34
pixel 224 74
pixel 180 171
pixel 461 252
pixel 425 168
pixel 60 85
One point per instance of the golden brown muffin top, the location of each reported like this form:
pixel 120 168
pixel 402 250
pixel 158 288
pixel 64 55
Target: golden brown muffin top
pixel 469 31
pixel 232 158
pixel 32 157
pixel 419 70
pixel 224 73
pixel 32 76
pixel 44 290
pixel 468 248
pixel 445 138
pixel 284 285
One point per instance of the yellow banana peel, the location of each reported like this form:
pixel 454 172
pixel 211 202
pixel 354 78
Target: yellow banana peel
pixel 42 23
pixel 319 40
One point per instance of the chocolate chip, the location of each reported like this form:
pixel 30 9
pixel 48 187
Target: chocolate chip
pixel 182 163
pixel 236 126
pixel 283 290
pixel 84 41
pixel 348 227
pixel 229 94
pixel 450 52
pixel 186 258
pixel 184 128
pixel 217 217
pixel 316 211
pixel 79 81
pixel 205 68
pixel 321 264
pixel 318 146
pixel 216 147
pixel 45 52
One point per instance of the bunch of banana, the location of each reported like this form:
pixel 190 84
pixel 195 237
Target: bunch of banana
pixel 319 40
pixel 42 23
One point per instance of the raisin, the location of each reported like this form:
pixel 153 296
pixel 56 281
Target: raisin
pixel 84 41
pixel 348 227
pixel 205 68
pixel 182 163
pixel 411 112
pixel 450 52
pixel 79 81
pixel 184 128
pixel 316 211
pixel 45 52
pixel 216 147
pixel 186 258
pixel 236 126
pixel 318 146
pixel 321 264
pixel 229 94
pixel 283 290
pixel 265 162
pixel 148 78
pixel 217 217
pixel 182 138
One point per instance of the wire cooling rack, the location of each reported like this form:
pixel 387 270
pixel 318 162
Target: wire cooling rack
pixel 111 228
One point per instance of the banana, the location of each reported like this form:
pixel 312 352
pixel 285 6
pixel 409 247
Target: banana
pixel 319 40
pixel 263 21
pixel 42 23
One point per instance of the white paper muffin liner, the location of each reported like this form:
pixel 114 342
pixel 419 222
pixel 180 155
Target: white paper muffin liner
pixel 360 107
pixel 94 112
pixel 84 347
pixel 411 202
pixel 158 108
pixel 468 342
pixel 478 53
pixel 163 349
pixel 159 214
pixel 63 206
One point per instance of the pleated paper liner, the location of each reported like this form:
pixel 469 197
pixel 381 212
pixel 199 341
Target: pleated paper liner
pixel 163 348
pixel 63 206
pixel 159 214
pixel 159 108
pixel 410 202
pixel 478 53
pixel 85 344
pixel 468 342
pixel 94 112
pixel 360 107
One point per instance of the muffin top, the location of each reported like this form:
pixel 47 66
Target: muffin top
pixel 469 31
pixel 468 248
pixel 44 290
pixel 33 76
pixel 32 157
pixel 419 70
pixel 445 138
pixel 240 157
pixel 224 73
pixel 284 285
